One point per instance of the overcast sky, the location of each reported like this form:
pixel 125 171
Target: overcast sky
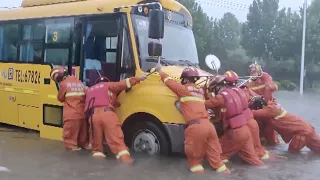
pixel 214 8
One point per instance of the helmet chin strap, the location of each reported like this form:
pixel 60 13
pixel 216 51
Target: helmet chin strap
pixel 186 80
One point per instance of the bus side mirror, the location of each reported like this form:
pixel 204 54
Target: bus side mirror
pixel 156 24
pixel 154 49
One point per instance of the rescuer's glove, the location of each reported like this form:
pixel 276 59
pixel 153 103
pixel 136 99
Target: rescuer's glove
pixel 142 77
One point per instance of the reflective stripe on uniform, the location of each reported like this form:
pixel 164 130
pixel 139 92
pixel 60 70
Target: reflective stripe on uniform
pixel 265 156
pixel 121 153
pixel 128 83
pixel 70 94
pixel 110 93
pixel 258 87
pixel 225 160
pixel 196 168
pixel 166 79
pixel 222 168
pixel 191 98
pixel 284 112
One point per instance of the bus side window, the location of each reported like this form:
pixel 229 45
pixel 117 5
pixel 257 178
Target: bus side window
pixel 31 45
pixel 9 38
pixel 58 42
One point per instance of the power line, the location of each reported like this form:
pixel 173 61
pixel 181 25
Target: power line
pixel 225 4
pixel 230 3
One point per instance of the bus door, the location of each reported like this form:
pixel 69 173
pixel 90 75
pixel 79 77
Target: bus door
pixel 105 48
pixel 59 50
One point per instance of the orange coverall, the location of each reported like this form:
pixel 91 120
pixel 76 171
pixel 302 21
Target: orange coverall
pixel 290 127
pixel 237 140
pixel 263 86
pixel 255 132
pixel 75 128
pixel 201 138
pixel 106 123
pixel 266 130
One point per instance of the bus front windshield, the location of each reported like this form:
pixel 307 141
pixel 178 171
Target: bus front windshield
pixel 178 42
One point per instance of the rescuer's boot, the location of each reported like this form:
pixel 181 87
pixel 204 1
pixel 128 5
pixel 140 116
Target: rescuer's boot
pixel 88 147
pixel 98 155
pixel 75 149
pixel 197 169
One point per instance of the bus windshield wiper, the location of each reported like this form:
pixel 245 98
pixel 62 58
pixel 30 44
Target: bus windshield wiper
pixel 189 63
pixel 162 60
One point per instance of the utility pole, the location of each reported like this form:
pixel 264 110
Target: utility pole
pixel 302 71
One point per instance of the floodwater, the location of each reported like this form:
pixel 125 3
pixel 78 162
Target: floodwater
pixel 24 156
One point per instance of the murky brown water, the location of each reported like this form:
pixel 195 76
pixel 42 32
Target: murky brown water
pixel 30 158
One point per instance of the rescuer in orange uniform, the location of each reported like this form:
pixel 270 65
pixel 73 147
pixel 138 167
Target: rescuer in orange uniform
pixel 227 105
pixel 72 94
pixel 231 82
pixel 263 85
pixel 201 138
pixel 290 127
pixel 100 105
pixel 267 131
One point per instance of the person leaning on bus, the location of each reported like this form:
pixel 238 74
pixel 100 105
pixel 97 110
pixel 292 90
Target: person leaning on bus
pixel 72 94
pixel 105 124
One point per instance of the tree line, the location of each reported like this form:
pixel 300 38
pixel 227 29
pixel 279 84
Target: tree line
pixel 270 35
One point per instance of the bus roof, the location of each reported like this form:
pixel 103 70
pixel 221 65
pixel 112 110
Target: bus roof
pixel 56 8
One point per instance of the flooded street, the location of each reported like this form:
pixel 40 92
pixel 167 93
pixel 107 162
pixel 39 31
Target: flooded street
pixel 28 157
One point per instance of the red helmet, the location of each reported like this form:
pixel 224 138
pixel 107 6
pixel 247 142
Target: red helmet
pixel 231 76
pixel 255 69
pixel 57 74
pixel 189 72
pixel 102 79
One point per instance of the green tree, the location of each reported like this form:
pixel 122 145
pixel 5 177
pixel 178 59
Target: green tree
pixel 202 29
pixel 288 35
pixel 259 29
pixel 228 31
pixel 226 35
pixel 312 58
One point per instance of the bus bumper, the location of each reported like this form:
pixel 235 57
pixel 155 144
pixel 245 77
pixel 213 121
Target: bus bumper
pixel 176 135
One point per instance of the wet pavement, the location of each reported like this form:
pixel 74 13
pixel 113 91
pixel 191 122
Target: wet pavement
pixel 28 157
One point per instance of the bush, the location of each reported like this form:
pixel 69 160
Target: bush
pixel 291 86
pixel 278 84
pixel 288 85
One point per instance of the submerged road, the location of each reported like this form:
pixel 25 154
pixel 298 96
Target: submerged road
pixel 24 156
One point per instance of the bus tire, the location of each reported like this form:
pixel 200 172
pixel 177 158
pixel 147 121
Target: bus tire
pixel 150 139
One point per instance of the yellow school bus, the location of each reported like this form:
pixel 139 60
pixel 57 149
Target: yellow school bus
pixel 92 37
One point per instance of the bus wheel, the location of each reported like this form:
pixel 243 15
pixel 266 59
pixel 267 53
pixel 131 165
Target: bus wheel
pixel 148 138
